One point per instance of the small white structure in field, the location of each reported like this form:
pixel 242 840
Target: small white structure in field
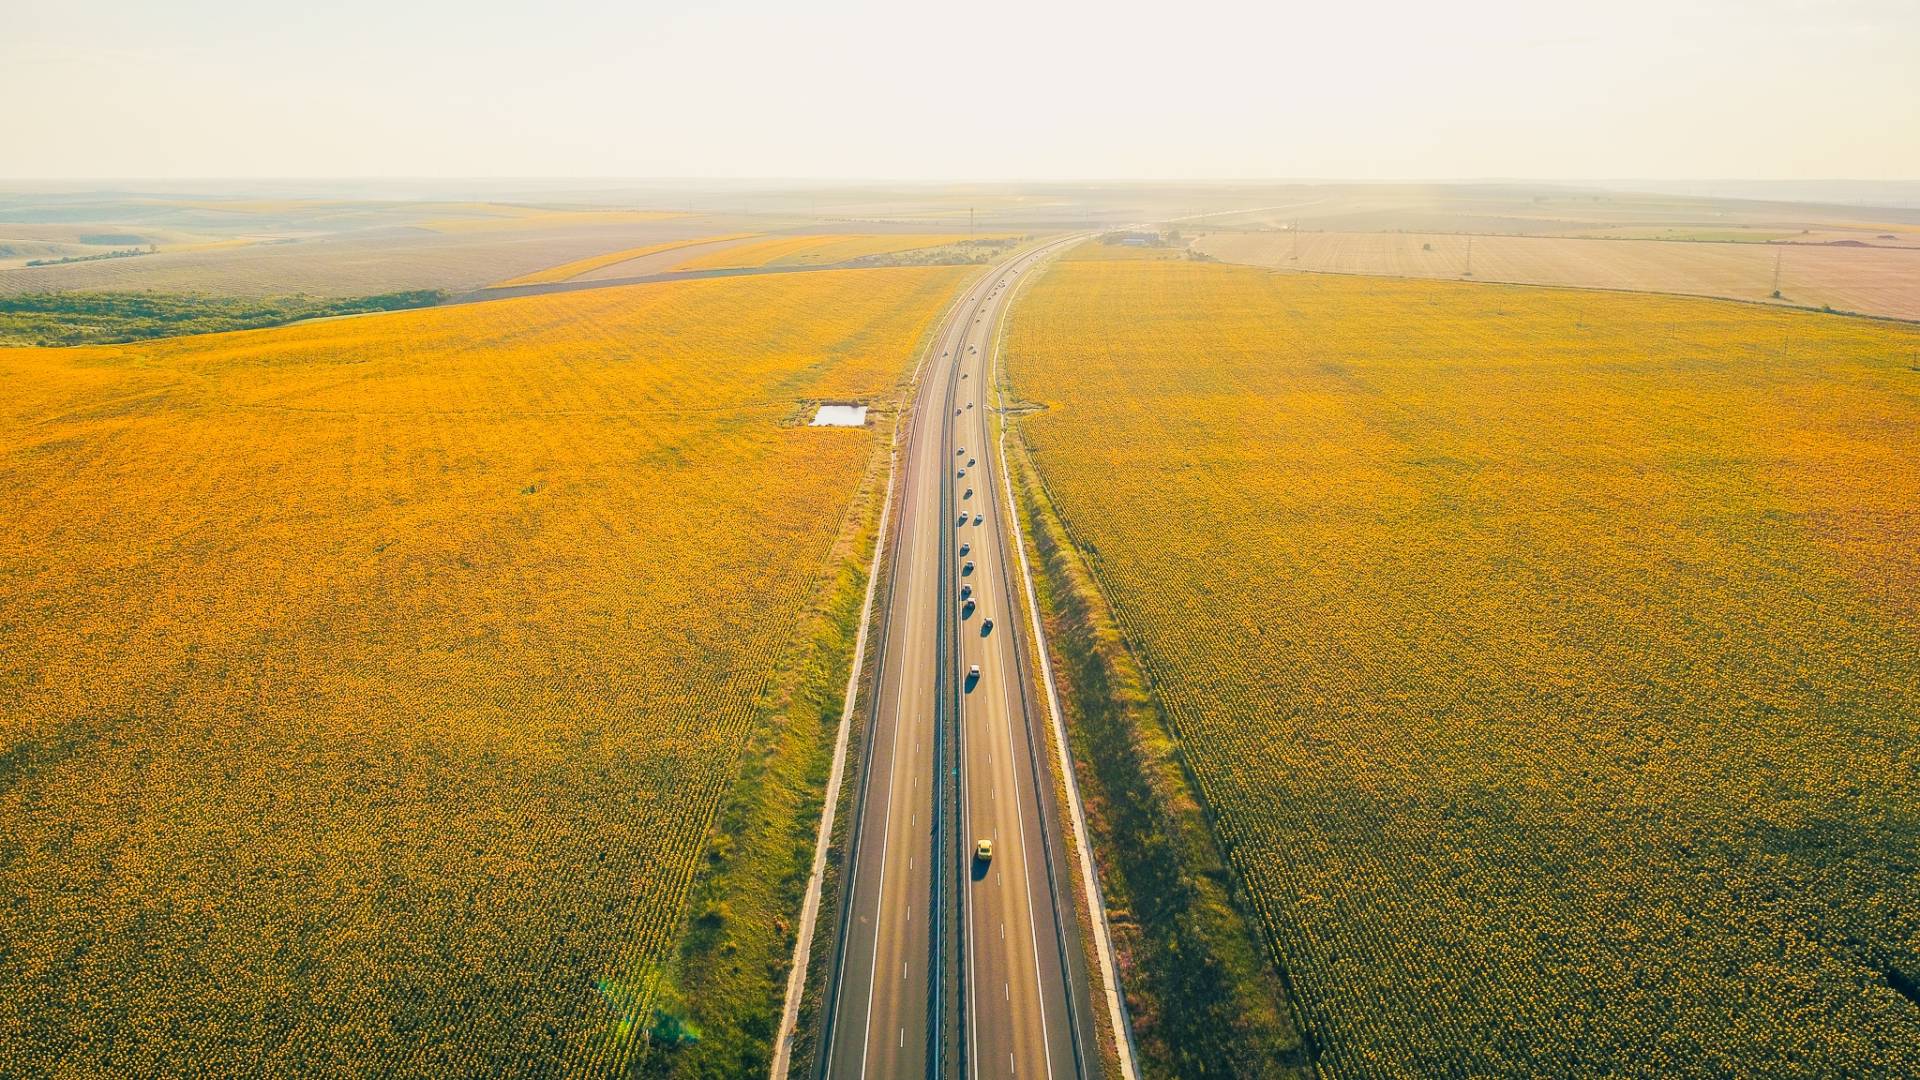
pixel 840 416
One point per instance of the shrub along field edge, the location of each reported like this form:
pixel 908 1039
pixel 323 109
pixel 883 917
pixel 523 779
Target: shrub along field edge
pixel 112 318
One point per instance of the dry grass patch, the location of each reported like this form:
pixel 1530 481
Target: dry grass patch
pixel 1868 280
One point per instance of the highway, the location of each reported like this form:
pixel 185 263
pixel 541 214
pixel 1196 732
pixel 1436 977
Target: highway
pixel 948 965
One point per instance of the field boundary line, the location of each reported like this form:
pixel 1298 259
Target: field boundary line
pixel 1076 814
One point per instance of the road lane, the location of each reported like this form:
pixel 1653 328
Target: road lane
pixel 1022 998
pixel 1022 1019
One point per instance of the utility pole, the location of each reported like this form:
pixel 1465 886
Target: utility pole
pixel 1469 270
pixel 1777 256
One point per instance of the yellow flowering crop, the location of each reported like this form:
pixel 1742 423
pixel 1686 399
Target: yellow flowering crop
pixel 370 684
pixel 1549 659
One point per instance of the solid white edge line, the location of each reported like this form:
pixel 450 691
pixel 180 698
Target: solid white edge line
pixel 969 1014
pixel 1026 863
pixel 810 907
pixel 1103 932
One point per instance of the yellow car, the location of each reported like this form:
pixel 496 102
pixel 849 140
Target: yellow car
pixel 984 851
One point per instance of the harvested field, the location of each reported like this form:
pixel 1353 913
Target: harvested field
pixel 1869 280
pixel 529 217
pixel 817 250
pixel 1549 660
pixel 372 684
pixel 357 263
pixel 621 261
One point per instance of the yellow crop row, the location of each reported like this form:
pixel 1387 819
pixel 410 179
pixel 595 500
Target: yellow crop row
pixel 1548 659
pixel 371 685
pixel 571 270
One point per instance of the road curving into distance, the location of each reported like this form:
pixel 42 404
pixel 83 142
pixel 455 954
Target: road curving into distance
pixel 948 965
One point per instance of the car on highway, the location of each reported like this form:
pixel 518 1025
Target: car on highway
pixel 964 548
pixel 969 463
pixel 962 472
pixel 966 591
pixel 968 495
pixel 983 850
pixel 969 404
pixel 973 348
pixel 961 452
pixel 986 628
pixel 967 569
pixel 977 519
pixel 973 673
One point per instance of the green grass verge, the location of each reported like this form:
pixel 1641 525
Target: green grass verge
pixel 718 1011
pixel 107 318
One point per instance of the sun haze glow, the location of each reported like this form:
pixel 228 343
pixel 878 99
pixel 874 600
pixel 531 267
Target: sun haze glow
pixel 1792 89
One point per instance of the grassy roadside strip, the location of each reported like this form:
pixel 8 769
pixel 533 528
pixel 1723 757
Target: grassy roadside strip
pixel 719 1010
pixel 1203 994
pixel 1113 1035
pixel 1104 998
pixel 791 1015
pixel 809 1026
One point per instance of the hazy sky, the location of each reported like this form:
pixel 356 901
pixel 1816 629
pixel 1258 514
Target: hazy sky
pixel 990 90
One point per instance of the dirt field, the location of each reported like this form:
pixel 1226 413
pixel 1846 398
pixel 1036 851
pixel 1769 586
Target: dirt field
pixel 359 263
pixel 662 261
pixel 817 250
pixel 1870 280
pixel 619 259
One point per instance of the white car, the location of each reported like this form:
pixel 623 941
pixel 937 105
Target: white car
pixel 973 672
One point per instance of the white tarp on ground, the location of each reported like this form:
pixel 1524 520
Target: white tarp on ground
pixel 841 416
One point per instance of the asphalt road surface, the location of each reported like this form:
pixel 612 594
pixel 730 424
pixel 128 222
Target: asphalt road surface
pixel 997 988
